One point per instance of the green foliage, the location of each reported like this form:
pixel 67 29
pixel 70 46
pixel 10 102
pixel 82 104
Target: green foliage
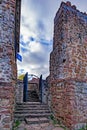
pixel 83 128
pixel 53 119
pixel 16 124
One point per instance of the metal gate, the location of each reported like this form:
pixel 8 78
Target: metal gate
pixel 25 81
pixel 40 88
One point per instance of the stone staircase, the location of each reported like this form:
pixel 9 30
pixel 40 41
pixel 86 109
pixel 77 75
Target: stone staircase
pixel 32 112
pixel 32 96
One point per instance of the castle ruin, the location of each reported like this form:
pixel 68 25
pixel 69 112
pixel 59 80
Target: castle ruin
pixel 68 64
pixel 68 67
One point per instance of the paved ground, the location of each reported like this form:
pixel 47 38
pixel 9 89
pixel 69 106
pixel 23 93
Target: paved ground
pixel 45 126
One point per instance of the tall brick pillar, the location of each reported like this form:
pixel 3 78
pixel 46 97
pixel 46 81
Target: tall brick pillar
pixel 68 67
pixel 8 68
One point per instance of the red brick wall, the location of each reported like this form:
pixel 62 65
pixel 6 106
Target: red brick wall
pixel 68 67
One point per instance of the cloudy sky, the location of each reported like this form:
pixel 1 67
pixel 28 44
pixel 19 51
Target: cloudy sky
pixel 37 34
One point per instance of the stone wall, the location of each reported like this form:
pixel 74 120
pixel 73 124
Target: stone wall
pixel 44 92
pixel 19 91
pixel 68 67
pixel 8 69
pixel 48 91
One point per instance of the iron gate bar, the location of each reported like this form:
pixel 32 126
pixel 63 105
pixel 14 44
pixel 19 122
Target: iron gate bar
pixel 40 88
pixel 25 81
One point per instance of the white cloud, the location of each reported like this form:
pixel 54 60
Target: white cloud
pixel 35 58
pixel 35 47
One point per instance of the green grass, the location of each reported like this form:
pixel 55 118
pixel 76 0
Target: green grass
pixel 16 125
pixel 53 119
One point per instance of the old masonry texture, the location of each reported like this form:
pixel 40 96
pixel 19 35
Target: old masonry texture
pixel 9 46
pixel 68 67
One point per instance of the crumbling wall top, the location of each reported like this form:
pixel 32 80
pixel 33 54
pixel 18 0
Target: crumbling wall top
pixel 71 8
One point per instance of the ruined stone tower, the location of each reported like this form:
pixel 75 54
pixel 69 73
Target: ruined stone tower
pixel 68 67
pixel 9 46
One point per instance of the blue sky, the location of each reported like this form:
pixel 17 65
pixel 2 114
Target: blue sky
pixel 36 38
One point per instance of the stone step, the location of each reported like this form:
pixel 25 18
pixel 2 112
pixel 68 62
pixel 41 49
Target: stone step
pixel 32 97
pixel 36 120
pixel 29 109
pixel 32 115
pixel 29 103
pixel 32 94
pixel 32 111
pixel 32 106
pixel 31 100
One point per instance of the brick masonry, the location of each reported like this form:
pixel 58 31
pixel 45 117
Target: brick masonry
pixel 68 67
pixel 8 68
